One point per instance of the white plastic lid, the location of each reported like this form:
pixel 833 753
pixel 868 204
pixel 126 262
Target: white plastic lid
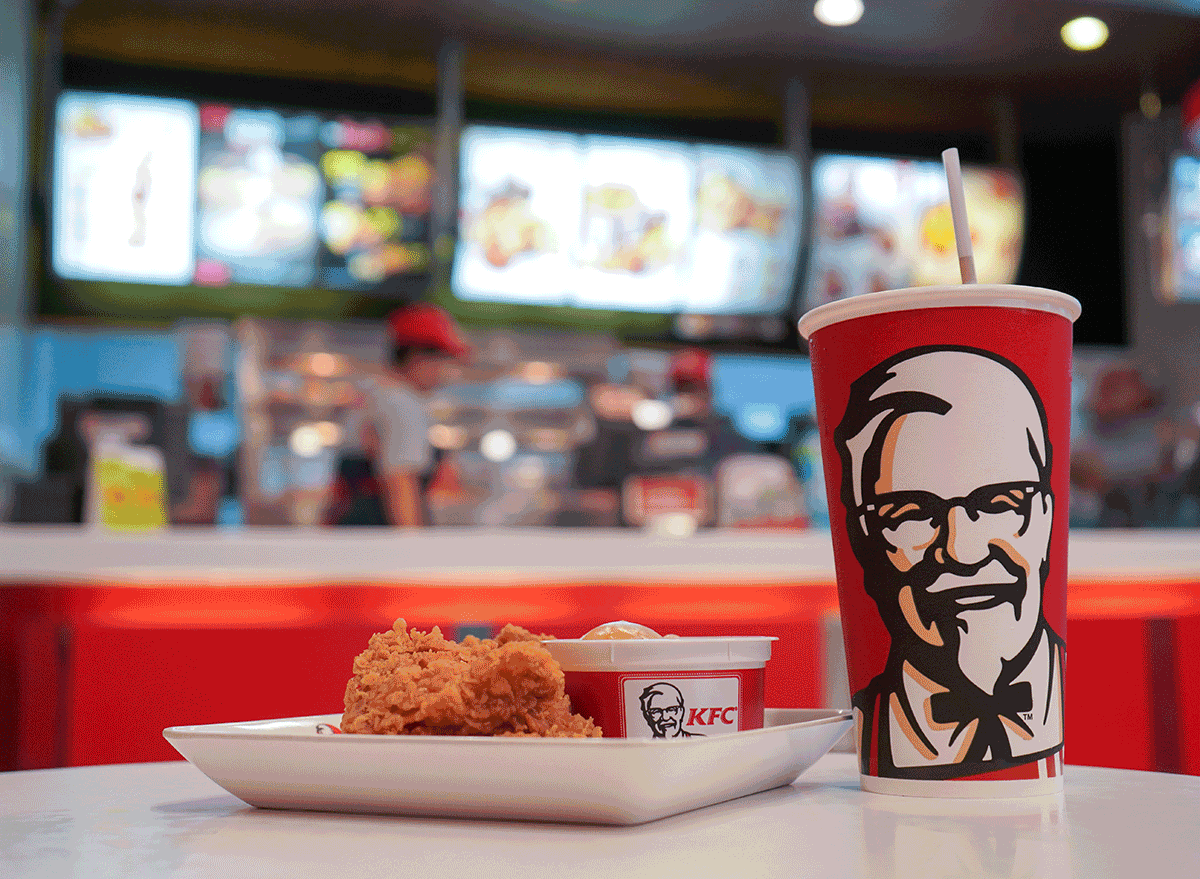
pixel 662 654
pixel 953 296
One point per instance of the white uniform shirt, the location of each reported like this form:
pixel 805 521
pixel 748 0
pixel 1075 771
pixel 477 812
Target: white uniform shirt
pixel 399 416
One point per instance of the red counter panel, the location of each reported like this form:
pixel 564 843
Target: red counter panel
pixel 96 672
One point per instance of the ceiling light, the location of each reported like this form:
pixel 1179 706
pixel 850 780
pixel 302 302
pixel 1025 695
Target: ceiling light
pixel 838 13
pixel 1084 33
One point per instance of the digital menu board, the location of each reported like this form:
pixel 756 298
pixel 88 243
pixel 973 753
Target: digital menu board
pixel 374 223
pixel 257 198
pixel 124 188
pixel 624 223
pixel 520 203
pixel 164 191
pixel 636 226
pixel 882 224
pixel 748 231
pixel 1181 268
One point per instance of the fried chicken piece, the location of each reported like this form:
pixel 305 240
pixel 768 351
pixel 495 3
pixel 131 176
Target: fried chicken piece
pixel 512 633
pixel 410 682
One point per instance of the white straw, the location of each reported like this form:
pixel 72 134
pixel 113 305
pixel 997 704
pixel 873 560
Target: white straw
pixel 958 211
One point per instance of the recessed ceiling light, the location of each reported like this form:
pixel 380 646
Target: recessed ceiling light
pixel 838 13
pixel 1085 33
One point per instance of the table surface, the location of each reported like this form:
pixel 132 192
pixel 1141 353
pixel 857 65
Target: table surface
pixel 168 819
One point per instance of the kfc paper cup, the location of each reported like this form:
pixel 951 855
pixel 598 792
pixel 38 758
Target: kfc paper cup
pixel 944 415
pixel 666 688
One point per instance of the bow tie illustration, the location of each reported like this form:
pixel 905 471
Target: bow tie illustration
pixel 960 708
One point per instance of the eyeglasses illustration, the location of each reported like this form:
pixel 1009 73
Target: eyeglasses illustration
pixel 890 509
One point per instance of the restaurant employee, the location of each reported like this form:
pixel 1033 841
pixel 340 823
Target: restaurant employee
pixel 388 484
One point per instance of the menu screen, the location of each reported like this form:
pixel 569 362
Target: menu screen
pixel 748 230
pixel 378 190
pixel 883 224
pixel 163 191
pixel 626 224
pixel 520 204
pixel 636 226
pixel 124 188
pixel 257 199
pixel 1181 274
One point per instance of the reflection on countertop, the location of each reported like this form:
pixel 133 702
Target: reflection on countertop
pixel 287 555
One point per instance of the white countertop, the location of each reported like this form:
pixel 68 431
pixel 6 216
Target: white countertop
pixel 32 554
pixel 167 820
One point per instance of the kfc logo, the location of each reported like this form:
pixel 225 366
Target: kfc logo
pixel 953 539
pixel 681 706
pixel 725 715
pixel 663 710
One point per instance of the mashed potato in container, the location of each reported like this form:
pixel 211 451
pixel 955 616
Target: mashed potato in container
pixel 635 683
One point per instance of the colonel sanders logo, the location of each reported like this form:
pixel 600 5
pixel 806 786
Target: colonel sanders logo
pixel 664 711
pixel 953 538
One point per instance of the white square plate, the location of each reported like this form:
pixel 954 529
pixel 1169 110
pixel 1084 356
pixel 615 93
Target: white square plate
pixel 287 764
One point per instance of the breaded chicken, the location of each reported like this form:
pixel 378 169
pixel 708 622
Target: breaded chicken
pixel 417 683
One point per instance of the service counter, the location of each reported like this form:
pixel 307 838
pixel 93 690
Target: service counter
pixel 107 639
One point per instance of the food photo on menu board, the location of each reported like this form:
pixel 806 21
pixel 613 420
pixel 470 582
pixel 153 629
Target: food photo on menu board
pixel 374 223
pixel 124 188
pixel 747 231
pixel 258 194
pixel 636 228
pixel 625 223
pixel 997 217
pixel 519 206
pixel 884 224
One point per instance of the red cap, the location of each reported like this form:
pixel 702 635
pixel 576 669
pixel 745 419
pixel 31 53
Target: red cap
pixel 690 367
pixel 425 325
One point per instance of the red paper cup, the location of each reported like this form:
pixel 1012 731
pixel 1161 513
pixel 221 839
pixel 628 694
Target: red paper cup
pixel 944 415
pixel 666 688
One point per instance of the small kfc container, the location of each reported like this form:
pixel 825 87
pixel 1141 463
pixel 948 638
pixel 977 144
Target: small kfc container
pixel 666 688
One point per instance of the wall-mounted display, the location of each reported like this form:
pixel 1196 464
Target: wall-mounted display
pixel 165 191
pixel 520 202
pixel 637 225
pixel 374 222
pixel 257 198
pixel 749 227
pixel 884 224
pixel 124 188
pixel 628 224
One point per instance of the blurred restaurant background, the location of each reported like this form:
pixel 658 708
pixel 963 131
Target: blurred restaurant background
pixel 208 209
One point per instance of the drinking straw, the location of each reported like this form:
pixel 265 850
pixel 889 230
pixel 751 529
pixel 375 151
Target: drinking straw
pixel 958 211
